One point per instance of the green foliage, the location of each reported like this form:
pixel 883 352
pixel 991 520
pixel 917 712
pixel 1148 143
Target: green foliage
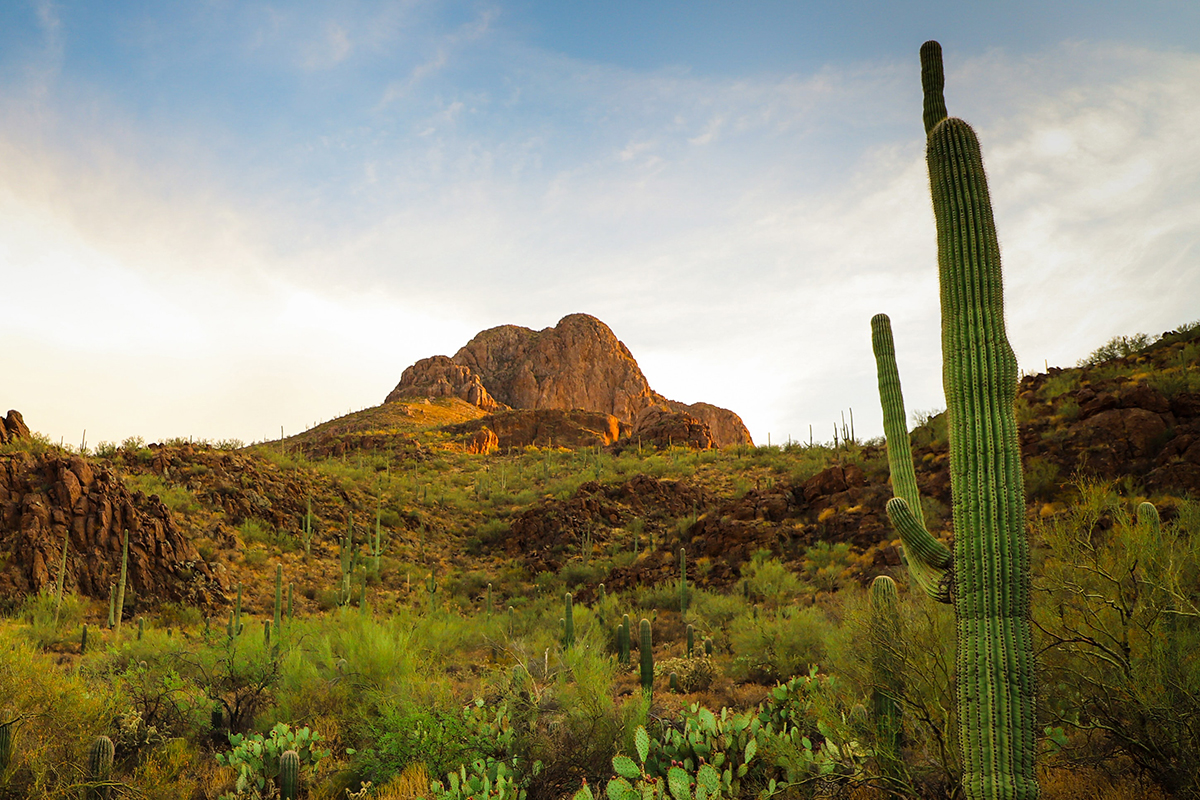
pixel 1119 347
pixel 775 646
pixel 441 739
pixel 1120 600
pixel 257 758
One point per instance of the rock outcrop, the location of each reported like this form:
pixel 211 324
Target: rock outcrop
pixel 579 364
pixel 47 497
pixel 547 427
pixel 441 377
pixel 13 427
pixel 663 427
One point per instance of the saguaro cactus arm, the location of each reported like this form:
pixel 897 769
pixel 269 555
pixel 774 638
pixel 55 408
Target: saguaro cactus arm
pixel 929 560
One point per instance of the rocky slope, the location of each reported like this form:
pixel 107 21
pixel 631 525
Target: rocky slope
pixel 47 497
pixel 579 364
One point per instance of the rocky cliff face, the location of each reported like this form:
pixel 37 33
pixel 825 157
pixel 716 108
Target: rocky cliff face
pixel 579 364
pixel 46 497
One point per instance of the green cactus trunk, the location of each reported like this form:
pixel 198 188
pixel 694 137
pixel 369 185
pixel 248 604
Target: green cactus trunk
pixel 691 641
pixel 83 641
pixel 6 737
pixel 278 617
pixel 646 656
pixel 623 643
pixel 488 606
pixel 141 628
pixel 988 580
pixel 120 605
pixel 683 590
pixel 289 775
pixel 62 575
pixel 100 762
pixel 569 623
pixel 886 676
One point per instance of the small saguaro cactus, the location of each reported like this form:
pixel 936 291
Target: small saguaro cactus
pixel 646 656
pixel 886 675
pixel 623 644
pixel 141 628
pixel 6 737
pixel 673 682
pixel 691 641
pixel 569 622
pixel 289 775
pixel 120 604
pixel 112 603
pixel 602 594
pixel 278 619
pixel 83 640
pixel 683 590
pixel 99 770
pixel 708 647
pixel 1147 515
pixel 488 605
pixel 987 577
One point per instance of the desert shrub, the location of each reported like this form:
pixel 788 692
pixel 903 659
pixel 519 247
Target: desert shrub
pixel 771 647
pixel 1118 347
pixel 768 580
pixel 1118 614
pixel 58 712
pixel 176 498
pixel 825 563
pixel 47 621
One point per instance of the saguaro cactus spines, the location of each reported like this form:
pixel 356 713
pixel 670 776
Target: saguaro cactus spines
pixel 100 761
pixel 646 656
pixel 988 580
pixel 289 775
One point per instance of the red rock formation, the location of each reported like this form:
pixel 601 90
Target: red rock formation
pixel 576 365
pixel 440 377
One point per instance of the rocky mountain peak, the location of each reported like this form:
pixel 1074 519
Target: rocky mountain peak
pixel 579 364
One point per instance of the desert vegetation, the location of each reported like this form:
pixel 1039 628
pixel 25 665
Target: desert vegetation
pixel 375 608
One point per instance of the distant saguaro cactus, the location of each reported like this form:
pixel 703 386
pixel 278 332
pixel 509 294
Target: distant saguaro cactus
pixel 646 656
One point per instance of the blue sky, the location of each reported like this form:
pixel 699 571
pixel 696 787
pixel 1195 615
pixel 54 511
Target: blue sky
pixel 220 218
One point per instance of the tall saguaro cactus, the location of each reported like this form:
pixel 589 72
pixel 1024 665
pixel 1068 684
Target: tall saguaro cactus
pixel 987 579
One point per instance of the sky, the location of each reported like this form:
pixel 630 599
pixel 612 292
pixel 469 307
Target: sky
pixel 219 219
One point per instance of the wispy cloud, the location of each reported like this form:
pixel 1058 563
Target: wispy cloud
pixel 736 234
